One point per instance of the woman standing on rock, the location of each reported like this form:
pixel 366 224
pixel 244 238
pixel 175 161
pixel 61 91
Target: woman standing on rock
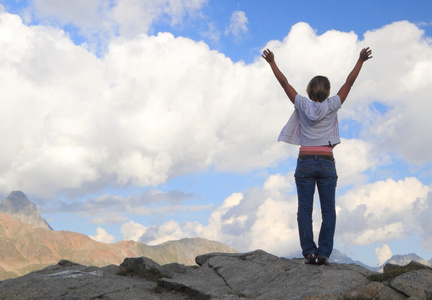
pixel 314 126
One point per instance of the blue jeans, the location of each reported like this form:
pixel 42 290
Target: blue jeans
pixel 311 172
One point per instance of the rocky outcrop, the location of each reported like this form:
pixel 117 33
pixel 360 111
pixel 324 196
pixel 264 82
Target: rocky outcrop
pixel 254 275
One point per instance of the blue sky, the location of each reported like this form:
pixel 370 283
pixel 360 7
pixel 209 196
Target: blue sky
pixel 158 120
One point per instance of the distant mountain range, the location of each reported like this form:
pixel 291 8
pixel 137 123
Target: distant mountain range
pixel 28 243
pixel 402 260
pixel 405 259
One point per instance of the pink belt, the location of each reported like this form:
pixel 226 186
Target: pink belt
pixel 318 150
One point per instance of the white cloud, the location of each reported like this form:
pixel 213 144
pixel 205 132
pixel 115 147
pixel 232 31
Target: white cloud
pixel 117 119
pixel 168 231
pixel 99 21
pixel 146 113
pixel 403 87
pixel 383 253
pixel 381 211
pixel 353 158
pixel 425 221
pixel 275 228
pixel 102 236
pixel 278 184
pixel 266 217
pixel 156 107
pixel 238 26
pixel 258 218
pixel 132 231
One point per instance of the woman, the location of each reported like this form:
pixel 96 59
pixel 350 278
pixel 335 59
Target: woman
pixel 314 126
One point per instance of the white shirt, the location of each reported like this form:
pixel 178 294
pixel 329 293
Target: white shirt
pixel 313 123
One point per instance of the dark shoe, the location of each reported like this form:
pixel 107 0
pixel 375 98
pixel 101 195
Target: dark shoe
pixel 322 260
pixel 311 259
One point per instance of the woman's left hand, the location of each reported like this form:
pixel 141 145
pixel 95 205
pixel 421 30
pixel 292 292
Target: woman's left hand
pixel 268 55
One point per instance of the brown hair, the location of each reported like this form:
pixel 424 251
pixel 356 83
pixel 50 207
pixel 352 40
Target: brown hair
pixel 318 88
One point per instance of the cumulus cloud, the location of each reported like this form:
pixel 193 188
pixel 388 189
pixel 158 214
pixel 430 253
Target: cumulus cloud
pixel 262 218
pixel 353 158
pixel 425 221
pixel 266 217
pixel 381 211
pixel 403 90
pixel 145 113
pixel 86 119
pixel 116 120
pixel 132 231
pixel 383 253
pixel 102 236
pixel 168 231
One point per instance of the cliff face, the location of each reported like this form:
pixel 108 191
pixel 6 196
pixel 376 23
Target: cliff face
pixel 26 248
pixel 253 275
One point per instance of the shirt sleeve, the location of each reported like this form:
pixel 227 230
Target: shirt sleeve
pixel 335 102
pixel 298 100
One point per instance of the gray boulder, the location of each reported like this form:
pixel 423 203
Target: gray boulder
pixel 416 284
pixel 253 275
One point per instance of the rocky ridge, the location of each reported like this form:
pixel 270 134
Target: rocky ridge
pixel 253 275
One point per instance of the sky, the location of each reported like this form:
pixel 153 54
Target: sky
pixel 158 120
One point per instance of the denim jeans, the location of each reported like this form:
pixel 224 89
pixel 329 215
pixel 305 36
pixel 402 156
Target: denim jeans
pixel 311 172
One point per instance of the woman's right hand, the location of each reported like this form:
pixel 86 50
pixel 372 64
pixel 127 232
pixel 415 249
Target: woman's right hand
pixel 365 54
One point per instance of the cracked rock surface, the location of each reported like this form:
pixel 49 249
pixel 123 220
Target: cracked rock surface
pixel 73 281
pixel 253 275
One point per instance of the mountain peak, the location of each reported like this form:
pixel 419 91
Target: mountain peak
pixel 16 202
pixel 18 206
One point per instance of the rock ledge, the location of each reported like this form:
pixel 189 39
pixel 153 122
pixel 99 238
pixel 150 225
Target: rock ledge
pixel 253 275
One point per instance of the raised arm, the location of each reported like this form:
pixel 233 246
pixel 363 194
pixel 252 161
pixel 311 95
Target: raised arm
pixel 289 90
pixel 365 54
